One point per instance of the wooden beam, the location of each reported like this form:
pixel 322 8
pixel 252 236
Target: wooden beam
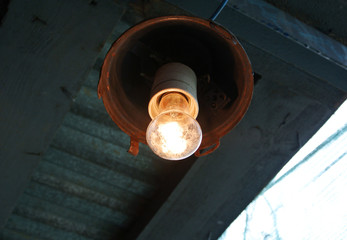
pixel 46 50
pixel 279 34
pixel 291 101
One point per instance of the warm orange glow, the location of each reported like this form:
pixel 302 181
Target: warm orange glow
pixel 173 140
pixel 174 134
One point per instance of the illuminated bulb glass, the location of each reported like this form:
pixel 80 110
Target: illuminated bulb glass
pixel 174 134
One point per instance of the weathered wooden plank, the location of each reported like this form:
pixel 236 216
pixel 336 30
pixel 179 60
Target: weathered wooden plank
pixel 110 134
pixel 15 235
pixel 104 153
pixel 90 175
pixel 46 50
pixel 77 190
pixel 76 203
pixel 40 230
pixel 63 218
pixel 86 172
pixel 56 221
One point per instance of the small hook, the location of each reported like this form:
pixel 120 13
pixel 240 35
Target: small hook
pixel 134 147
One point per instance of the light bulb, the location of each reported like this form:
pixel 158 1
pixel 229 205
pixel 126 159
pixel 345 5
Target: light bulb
pixel 174 134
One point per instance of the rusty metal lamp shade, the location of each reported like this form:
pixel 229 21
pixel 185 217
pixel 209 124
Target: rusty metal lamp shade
pixel 223 70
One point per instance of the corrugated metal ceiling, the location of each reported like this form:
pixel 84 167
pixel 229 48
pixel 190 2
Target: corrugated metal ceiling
pixel 87 186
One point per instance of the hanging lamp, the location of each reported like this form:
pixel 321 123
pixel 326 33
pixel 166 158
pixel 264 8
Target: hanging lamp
pixel 180 69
